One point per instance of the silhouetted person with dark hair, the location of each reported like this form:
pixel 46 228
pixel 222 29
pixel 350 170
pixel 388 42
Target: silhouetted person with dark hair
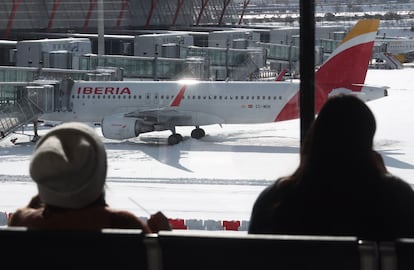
pixel 341 186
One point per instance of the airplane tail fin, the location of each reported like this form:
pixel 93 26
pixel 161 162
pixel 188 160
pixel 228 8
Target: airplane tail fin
pixel 347 66
pixel 344 70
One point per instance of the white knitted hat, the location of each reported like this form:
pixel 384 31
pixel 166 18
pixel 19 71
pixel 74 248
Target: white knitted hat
pixel 69 166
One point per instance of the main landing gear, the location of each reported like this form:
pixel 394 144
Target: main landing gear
pixel 198 133
pixel 176 138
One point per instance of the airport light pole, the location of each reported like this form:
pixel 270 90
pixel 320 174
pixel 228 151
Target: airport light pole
pixel 307 66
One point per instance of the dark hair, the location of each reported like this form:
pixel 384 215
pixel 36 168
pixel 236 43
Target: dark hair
pixel 340 140
pixel 35 202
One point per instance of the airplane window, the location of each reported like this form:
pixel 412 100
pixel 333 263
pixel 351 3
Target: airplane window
pixel 258 97
pixel 242 97
pixel 103 97
pixel 83 96
pixel 99 97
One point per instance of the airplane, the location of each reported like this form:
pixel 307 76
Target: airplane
pixel 126 109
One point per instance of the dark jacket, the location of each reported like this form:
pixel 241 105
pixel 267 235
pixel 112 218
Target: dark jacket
pixel 379 209
pixel 95 216
pixel 90 218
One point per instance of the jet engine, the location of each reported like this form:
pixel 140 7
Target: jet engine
pixel 119 127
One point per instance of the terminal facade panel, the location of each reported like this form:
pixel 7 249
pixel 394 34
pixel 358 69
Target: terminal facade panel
pixel 81 16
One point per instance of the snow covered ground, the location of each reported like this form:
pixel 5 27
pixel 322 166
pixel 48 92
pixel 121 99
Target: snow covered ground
pixel 220 176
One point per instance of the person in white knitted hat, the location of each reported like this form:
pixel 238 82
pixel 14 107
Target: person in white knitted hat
pixel 69 166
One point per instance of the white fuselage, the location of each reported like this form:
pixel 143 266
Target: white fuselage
pixel 232 102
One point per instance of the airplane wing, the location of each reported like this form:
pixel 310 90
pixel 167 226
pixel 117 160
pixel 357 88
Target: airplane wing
pixel 166 116
pixel 129 125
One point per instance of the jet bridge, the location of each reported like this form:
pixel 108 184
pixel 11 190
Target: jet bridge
pixel 22 103
pixel 386 60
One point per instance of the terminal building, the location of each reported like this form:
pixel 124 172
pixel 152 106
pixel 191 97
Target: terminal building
pixel 47 16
